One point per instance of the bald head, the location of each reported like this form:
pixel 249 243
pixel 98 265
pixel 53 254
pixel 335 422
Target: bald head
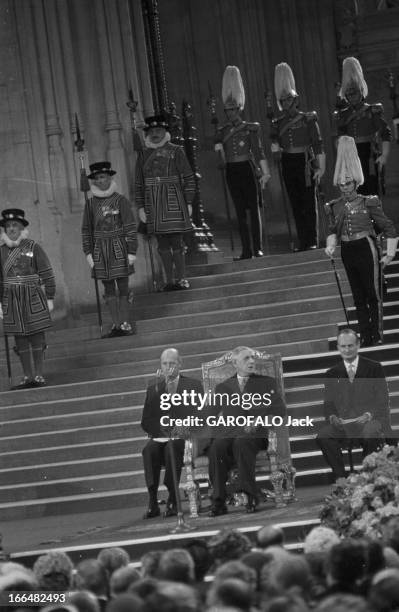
pixel 270 536
pixel 170 363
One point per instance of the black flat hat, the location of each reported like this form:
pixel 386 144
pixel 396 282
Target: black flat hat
pixel 103 167
pixel 156 121
pixel 13 214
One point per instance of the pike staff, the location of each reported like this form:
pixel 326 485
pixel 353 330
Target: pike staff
pixel 85 187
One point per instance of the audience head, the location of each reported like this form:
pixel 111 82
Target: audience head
pixel 238 570
pixel 176 565
pixel 384 591
pixel 231 592
pixel 149 563
pixel 320 539
pixel 270 535
pixel 122 579
pixel 91 575
pixel 228 544
pixel 113 558
pixel 285 603
pixel 347 563
pixel 198 549
pixel 54 571
pixel 171 597
pixel 343 602
pixel 126 602
pixel 390 533
pixel 84 601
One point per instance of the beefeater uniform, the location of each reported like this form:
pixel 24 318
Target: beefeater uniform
pixel 111 223
pixel 164 186
pixel 26 283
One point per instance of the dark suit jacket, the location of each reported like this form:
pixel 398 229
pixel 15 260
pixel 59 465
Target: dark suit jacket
pixel 367 393
pixel 256 384
pixel 150 420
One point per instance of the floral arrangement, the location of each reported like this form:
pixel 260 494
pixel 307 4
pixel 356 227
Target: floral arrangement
pixel 362 503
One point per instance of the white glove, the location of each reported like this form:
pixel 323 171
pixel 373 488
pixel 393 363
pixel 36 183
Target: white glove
pixel 142 215
pixel 331 245
pixel 50 305
pixel 264 179
pixel 1 312
pixel 90 261
pixel 190 210
pixel 392 244
pixel 131 259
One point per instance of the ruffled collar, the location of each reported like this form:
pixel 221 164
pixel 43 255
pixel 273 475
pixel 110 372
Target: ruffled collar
pixel 99 193
pixel 156 145
pixel 4 239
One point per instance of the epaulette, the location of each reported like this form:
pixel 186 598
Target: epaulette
pixel 377 108
pixel 253 126
pixel 371 200
pixel 311 116
pixel 328 206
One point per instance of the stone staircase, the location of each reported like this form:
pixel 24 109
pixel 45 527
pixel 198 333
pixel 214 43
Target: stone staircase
pixel 75 446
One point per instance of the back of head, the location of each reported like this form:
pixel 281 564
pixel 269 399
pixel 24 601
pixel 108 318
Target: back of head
pixel 122 579
pixel 150 562
pixel 231 592
pixel 384 590
pixel 238 570
pixel 320 539
pixel 198 549
pixel 270 535
pixel 171 597
pixel 113 558
pixel 285 603
pixel 390 533
pixel 84 601
pixel 347 562
pixel 343 602
pixel 54 571
pixel 91 575
pixel 177 565
pixel 127 602
pixel 228 544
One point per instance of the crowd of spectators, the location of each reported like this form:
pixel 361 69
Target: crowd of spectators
pixel 226 573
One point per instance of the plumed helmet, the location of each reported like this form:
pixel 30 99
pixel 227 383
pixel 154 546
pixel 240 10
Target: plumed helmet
pixel 284 82
pixel 348 164
pixel 233 93
pixel 352 77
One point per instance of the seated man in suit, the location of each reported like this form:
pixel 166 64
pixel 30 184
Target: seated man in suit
pixel 243 442
pixel 356 404
pixel 157 451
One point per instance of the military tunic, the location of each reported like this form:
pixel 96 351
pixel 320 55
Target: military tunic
pixel 243 151
pixel 365 122
pixel 355 224
pixel 26 283
pixel 300 141
pixel 109 222
pixel 165 185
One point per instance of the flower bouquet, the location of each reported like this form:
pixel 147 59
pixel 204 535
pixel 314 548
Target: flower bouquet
pixel 362 503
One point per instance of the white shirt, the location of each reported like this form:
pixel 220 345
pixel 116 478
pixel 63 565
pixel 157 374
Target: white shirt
pixel 175 382
pixel 352 364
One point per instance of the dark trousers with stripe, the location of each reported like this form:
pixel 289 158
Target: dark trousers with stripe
pixel 360 259
pixel 293 166
pixel 370 171
pixel 155 456
pixel 243 187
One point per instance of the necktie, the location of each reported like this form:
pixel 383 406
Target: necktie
pixel 351 372
pixel 242 382
pixel 171 386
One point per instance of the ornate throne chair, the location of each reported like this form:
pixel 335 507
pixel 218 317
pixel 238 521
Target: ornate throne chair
pixel 275 461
